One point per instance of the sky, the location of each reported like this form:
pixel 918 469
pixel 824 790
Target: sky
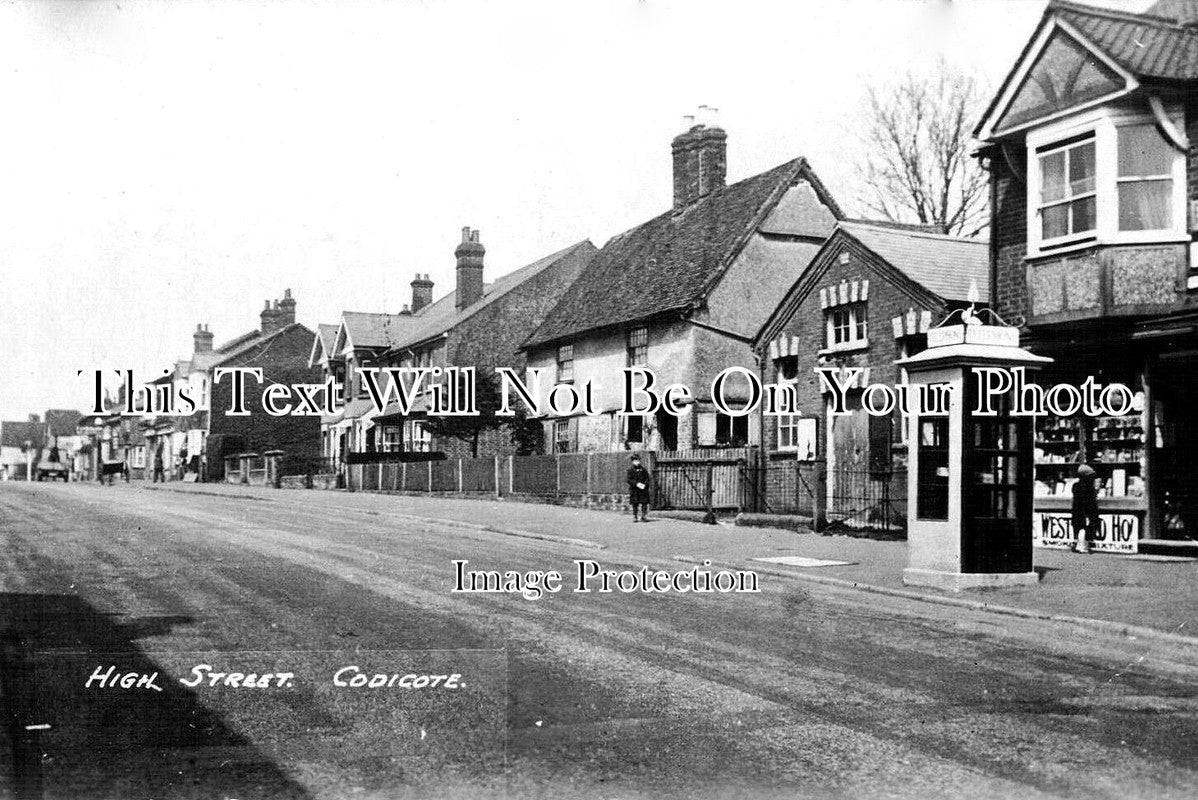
pixel 168 164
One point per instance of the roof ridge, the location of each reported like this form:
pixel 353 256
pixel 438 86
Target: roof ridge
pixel 909 231
pixel 455 316
pixel 1116 13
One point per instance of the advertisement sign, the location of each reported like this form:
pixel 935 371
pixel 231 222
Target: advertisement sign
pixel 1117 533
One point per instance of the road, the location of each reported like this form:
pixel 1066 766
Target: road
pixel 802 690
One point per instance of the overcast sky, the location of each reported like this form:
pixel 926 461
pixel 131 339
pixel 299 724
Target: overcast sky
pixel 172 163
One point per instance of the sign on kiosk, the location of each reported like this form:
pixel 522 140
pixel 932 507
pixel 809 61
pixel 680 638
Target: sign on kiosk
pixel 1117 533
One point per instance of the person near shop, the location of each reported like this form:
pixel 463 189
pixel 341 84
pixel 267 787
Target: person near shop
pixel 638 490
pixel 1085 508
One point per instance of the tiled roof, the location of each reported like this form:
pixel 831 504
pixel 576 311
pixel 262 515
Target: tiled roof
pixel 328 335
pixel 945 265
pixel 251 344
pixel 240 341
pixel 377 330
pixel 62 421
pixel 443 315
pixel 670 262
pixel 1150 44
pixel 15 434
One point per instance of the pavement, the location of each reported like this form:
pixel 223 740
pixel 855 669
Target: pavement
pixel 1136 596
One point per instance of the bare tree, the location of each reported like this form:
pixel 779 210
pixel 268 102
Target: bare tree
pixel 917 165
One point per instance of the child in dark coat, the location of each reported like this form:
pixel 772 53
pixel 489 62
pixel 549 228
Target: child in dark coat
pixel 1085 508
pixel 638 489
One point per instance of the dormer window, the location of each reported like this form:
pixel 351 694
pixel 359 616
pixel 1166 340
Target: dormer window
pixel 1107 176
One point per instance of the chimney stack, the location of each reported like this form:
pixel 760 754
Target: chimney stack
pixel 269 316
pixel 422 292
pixel 286 309
pixel 202 339
pixel 700 158
pixel 470 269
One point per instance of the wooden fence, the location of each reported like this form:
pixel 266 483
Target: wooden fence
pixel 543 476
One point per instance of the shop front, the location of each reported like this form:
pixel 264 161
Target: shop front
pixel 1144 460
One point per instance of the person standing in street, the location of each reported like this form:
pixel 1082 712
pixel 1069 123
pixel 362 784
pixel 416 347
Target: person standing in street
pixel 159 471
pixel 1085 508
pixel 638 489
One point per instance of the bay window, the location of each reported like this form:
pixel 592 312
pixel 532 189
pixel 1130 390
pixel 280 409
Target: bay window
pixel 1109 176
pixel 1145 179
pixel 1067 197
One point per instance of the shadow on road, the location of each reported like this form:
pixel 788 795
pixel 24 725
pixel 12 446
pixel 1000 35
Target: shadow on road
pixel 70 740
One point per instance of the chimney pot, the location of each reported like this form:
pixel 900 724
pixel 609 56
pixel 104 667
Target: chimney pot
pixel 469 254
pixel 422 292
pixel 202 339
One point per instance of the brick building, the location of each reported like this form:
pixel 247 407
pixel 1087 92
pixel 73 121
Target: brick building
pixel 196 444
pixel 1092 146
pixel 867 299
pixel 478 324
pixel 682 294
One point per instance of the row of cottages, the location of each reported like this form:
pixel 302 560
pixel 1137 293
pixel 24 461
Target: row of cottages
pixel 478 324
pixel 193 447
pixel 1092 146
pixel 683 294
pixel 867 299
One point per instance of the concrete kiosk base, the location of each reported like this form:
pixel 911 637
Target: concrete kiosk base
pixel 956 581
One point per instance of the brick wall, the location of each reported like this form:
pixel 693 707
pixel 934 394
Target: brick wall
pixel 1008 231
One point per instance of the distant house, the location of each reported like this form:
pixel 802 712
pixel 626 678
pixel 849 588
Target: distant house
pixel 20 442
pixel 867 299
pixel 62 434
pixel 359 340
pixel 683 293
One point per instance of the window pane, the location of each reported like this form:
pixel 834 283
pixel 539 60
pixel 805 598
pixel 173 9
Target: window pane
pixel 1081 169
pixel 1083 215
pixel 1142 151
pixel 1145 205
pixel 1054 221
pixel 1052 177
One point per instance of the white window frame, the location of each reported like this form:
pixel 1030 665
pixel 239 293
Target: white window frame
pixel 392 439
pixel 419 437
pixel 1103 123
pixel 858 328
pixel 788 429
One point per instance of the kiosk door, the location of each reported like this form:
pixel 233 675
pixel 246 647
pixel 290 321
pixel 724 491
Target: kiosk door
pixel 996 497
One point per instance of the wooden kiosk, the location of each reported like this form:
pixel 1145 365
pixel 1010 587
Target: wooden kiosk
pixel 969 510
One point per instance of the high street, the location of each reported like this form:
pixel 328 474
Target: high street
pixel 801 690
